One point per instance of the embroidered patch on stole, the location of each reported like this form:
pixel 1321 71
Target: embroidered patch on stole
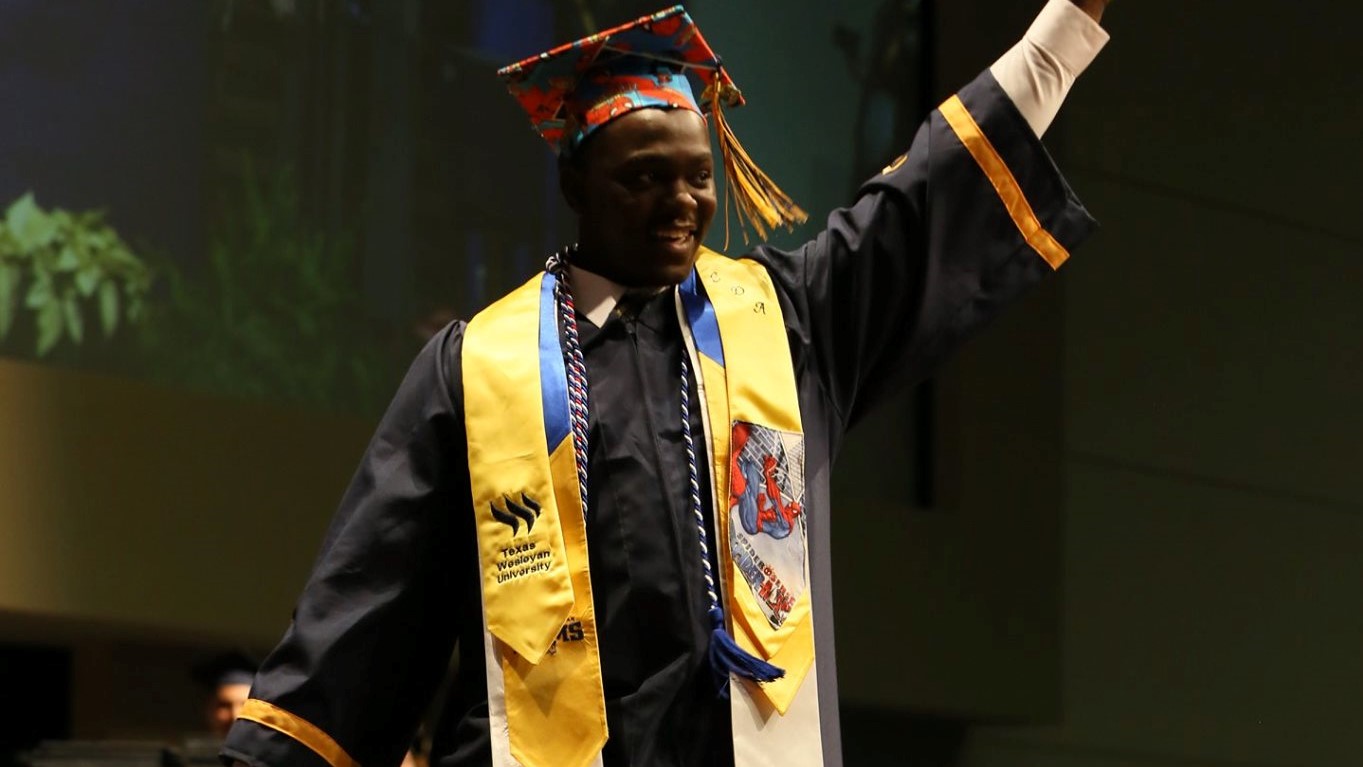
pixel 766 516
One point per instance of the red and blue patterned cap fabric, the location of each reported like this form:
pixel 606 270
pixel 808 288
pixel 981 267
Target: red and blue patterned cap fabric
pixel 654 61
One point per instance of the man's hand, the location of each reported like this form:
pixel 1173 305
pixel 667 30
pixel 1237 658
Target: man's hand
pixel 1094 8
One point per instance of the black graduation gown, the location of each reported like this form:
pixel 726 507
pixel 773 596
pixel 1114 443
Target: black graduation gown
pixel 925 255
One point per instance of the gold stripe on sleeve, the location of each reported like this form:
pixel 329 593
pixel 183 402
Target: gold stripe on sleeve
pixel 968 131
pixel 299 729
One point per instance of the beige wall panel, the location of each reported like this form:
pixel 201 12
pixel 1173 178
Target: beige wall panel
pixel 146 507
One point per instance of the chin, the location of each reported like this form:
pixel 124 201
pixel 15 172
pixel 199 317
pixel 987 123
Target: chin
pixel 677 272
pixel 663 268
pixel 642 264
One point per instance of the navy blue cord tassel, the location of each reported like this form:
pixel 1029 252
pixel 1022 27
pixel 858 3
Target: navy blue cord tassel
pixel 726 658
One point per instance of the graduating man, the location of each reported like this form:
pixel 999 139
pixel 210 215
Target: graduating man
pixel 610 488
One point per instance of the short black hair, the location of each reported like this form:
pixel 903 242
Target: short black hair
pixel 234 666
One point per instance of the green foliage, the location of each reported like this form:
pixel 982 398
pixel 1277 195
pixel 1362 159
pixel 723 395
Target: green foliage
pixel 64 264
pixel 275 314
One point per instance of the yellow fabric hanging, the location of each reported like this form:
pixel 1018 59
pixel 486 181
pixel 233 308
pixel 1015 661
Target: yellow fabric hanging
pixel 754 385
pixel 537 596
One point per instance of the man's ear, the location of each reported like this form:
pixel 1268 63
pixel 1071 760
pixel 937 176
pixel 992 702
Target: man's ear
pixel 571 184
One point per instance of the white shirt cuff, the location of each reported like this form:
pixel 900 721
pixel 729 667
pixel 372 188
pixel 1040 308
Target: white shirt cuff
pixel 1037 72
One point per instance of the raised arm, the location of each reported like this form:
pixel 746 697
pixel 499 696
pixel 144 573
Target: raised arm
pixel 943 238
pixel 1038 72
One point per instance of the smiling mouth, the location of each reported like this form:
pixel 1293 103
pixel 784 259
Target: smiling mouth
pixel 673 236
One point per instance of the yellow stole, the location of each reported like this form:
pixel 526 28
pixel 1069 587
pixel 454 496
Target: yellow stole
pixel 537 597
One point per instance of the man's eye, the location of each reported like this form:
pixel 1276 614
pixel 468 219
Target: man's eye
pixel 703 177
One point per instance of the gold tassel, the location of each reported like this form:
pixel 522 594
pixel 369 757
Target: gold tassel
pixel 757 199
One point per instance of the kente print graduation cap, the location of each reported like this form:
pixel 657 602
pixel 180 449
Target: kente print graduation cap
pixel 656 61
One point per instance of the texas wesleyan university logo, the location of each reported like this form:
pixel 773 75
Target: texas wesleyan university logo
pixel 526 511
pixel 766 515
pixel 517 560
pixel 527 557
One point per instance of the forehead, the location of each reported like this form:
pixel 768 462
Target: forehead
pixel 665 133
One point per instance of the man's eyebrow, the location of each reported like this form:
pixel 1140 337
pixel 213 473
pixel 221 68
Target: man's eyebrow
pixel 657 155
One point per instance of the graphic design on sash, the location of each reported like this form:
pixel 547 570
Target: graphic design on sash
pixel 571 632
pixel 517 560
pixel 526 511
pixel 766 515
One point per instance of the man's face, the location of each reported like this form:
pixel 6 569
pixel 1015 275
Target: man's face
pixel 224 705
pixel 644 194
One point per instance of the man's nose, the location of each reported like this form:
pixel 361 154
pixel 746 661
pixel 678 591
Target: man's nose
pixel 683 195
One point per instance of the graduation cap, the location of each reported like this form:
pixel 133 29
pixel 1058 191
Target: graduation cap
pixel 231 667
pixel 656 61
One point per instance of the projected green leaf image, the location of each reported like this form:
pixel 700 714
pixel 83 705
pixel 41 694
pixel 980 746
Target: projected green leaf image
pixel 66 265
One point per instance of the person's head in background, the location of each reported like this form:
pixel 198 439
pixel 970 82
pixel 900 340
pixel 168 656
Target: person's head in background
pixel 226 679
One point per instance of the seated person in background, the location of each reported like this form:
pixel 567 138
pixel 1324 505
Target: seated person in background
pixel 226 679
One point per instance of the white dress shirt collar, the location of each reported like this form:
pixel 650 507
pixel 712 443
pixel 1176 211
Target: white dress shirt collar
pixel 595 296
